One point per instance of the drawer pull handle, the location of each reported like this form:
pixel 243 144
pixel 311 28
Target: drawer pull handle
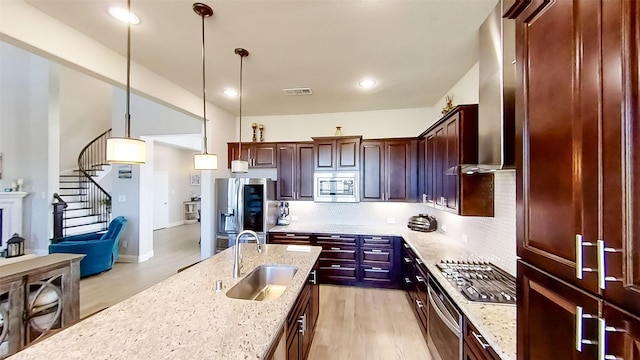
pixel 376 238
pixel 419 303
pixel 335 248
pixel 376 251
pixel 479 339
pixel 290 235
pixel 335 236
pixel 406 246
pixel 407 260
pixel 420 278
pixel 407 280
pixel 418 261
pixel 376 268
pixel 335 266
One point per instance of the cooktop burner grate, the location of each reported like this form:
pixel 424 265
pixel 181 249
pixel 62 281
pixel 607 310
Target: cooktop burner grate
pixel 480 281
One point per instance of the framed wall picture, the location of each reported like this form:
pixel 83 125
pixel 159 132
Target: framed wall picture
pixel 195 179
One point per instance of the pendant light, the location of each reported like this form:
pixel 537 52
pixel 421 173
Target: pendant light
pixel 125 150
pixel 240 166
pixel 204 161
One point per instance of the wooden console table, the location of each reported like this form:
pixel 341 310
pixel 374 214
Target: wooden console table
pixel 37 296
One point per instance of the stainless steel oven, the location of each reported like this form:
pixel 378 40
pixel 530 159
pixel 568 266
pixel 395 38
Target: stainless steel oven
pixel 444 334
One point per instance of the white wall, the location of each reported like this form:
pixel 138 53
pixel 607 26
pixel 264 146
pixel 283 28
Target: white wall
pixel 178 163
pixel 465 91
pixel 29 137
pixel 369 124
pixel 85 113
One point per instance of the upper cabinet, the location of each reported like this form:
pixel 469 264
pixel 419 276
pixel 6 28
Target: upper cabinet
pixel 259 155
pixel 389 170
pixel 578 177
pixel 295 171
pixel 450 142
pixel 337 153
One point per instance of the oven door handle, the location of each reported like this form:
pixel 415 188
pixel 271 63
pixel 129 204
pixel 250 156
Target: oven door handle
pixel 446 319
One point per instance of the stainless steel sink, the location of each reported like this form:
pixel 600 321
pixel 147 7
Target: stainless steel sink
pixel 266 282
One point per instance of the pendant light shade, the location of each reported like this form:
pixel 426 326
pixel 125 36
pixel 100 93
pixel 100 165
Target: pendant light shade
pixel 125 150
pixel 239 165
pixel 204 161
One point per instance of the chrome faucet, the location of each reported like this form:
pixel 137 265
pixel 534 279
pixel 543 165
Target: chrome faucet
pixel 236 262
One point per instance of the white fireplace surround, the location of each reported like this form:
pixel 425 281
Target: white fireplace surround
pixel 11 205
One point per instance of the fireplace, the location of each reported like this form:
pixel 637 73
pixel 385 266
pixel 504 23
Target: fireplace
pixel 10 215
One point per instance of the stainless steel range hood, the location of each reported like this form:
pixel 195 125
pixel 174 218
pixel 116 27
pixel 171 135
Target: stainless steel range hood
pixel 496 109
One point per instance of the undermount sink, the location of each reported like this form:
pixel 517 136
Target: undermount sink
pixel 266 282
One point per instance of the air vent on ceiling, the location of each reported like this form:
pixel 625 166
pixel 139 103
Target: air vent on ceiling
pixel 298 91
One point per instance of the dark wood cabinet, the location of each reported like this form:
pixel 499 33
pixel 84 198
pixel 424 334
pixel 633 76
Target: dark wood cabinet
pixel 622 334
pixel 295 171
pixel 302 319
pixel 337 153
pixel 389 170
pixel 475 347
pixel 414 280
pixel 555 319
pixel 259 155
pixel 453 141
pixel 577 131
pixel 290 238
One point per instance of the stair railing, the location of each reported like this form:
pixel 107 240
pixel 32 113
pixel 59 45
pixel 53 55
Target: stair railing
pixel 91 159
pixel 58 218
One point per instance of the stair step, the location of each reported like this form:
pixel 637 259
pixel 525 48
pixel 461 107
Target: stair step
pixel 73 188
pixel 76 176
pixel 77 181
pixel 92 223
pixel 80 208
pixel 83 229
pixel 80 216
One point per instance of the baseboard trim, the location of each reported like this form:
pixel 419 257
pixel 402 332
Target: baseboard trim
pixel 135 258
pixel 176 223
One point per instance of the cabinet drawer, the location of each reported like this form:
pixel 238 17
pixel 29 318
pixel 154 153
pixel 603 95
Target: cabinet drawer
pixel 290 238
pixel 338 252
pixel 338 271
pixel 377 241
pixel 377 256
pixel 376 274
pixel 337 239
pixel 477 344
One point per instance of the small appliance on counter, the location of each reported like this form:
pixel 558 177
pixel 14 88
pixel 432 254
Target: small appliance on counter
pixel 283 217
pixel 422 222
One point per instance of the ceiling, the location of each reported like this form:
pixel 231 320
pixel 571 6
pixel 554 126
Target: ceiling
pixel 415 49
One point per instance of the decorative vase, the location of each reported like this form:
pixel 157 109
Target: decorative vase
pixel 254 126
pixel 261 127
pixel 338 131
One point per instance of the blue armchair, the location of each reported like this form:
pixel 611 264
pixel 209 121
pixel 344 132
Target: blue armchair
pixel 101 250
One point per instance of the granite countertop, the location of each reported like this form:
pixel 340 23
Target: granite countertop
pixel 183 317
pixel 496 322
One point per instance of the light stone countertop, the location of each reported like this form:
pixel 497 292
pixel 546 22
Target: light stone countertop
pixel 183 317
pixel 496 322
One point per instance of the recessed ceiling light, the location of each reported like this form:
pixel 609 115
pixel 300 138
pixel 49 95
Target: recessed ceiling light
pixel 124 15
pixel 367 83
pixel 230 93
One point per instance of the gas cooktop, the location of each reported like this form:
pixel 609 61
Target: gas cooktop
pixel 480 281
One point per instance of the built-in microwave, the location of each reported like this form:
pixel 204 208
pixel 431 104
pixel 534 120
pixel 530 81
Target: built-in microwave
pixel 336 186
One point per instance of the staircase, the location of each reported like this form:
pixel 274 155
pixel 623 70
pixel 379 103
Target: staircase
pixel 88 204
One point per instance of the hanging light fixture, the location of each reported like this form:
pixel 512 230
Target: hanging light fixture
pixel 204 161
pixel 240 166
pixel 125 150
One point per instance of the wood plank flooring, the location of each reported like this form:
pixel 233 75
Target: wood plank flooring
pixel 174 248
pixel 372 324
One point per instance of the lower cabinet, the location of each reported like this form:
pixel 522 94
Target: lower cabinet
pixel 475 347
pixel 356 260
pixel 302 319
pixel 414 279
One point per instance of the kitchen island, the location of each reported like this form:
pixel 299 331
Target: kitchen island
pixel 496 322
pixel 184 318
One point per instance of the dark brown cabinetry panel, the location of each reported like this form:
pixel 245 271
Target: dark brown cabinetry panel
pixel 450 142
pixel 576 202
pixel 337 153
pixel 389 170
pixel 414 280
pixel 295 171
pixel 289 238
pixel 622 333
pixel 475 347
pixel 302 319
pixel 259 155
pixel 549 321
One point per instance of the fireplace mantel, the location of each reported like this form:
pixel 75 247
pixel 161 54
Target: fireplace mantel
pixel 11 205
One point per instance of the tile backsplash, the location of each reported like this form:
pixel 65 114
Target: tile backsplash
pixel 492 239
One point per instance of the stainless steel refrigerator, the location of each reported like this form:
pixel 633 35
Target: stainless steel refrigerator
pixel 244 204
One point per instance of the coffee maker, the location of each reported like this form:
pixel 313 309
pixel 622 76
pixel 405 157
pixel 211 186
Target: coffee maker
pixel 283 218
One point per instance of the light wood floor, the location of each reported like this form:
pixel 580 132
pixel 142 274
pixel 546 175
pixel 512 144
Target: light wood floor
pixel 174 248
pixel 359 323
